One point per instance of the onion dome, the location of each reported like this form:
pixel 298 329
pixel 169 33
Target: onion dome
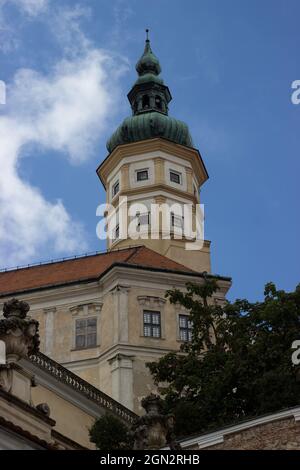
pixel 149 99
pixel 148 63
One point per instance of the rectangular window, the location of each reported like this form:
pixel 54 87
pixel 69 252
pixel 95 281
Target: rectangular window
pixel 177 221
pixel 115 188
pixel 117 232
pixel 143 219
pixel 175 177
pixel 142 175
pixel 86 333
pixel 152 326
pixel 185 328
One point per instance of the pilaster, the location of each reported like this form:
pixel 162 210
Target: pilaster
pixel 120 314
pixel 159 170
pixel 122 379
pixel 49 330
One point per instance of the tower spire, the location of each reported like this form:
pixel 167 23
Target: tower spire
pixel 149 99
pixel 148 63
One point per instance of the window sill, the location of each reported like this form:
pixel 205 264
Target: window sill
pixel 153 337
pixel 85 348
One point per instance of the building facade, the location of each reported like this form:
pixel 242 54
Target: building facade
pixel 104 316
pixel 42 404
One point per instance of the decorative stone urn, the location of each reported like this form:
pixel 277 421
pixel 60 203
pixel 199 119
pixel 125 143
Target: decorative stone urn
pixel 17 331
pixel 154 430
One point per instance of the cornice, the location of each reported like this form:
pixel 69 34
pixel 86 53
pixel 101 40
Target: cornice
pixel 122 348
pixel 67 291
pixel 152 188
pixel 146 146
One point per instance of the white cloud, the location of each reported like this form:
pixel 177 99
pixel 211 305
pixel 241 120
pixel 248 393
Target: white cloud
pixel 68 109
pixel 29 223
pixel 65 110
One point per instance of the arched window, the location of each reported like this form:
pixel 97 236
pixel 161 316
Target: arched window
pixel 158 103
pixel 146 101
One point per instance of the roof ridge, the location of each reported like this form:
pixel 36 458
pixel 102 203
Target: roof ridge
pixel 162 256
pixel 65 259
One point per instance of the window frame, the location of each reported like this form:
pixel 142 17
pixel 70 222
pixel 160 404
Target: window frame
pixel 188 329
pixel 142 170
pixel 176 173
pixel 116 233
pixel 144 215
pixel 116 184
pixel 178 217
pixel 86 333
pixel 152 324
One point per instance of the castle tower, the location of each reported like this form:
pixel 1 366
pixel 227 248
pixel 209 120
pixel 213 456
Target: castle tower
pixel 105 316
pixel 152 161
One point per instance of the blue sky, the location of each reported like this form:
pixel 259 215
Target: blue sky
pixel 229 64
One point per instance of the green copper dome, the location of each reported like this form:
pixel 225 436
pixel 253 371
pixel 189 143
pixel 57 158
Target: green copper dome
pixel 149 99
pixel 150 125
pixel 148 62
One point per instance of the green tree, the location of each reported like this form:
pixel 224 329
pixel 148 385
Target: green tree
pixel 110 433
pixel 238 364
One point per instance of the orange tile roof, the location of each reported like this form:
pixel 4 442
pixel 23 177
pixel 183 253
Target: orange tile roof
pixel 81 269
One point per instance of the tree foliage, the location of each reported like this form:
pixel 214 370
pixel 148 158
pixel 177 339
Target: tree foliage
pixel 110 433
pixel 238 364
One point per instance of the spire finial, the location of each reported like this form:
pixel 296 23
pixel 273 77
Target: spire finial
pixel 148 63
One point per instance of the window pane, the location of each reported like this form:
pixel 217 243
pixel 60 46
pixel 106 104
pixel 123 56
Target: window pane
pixel 177 221
pixel 116 188
pixel 156 318
pixel 117 232
pixel 80 341
pixel 183 335
pixel 80 325
pixel 91 330
pixel 183 321
pixel 144 219
pixel 91 340
pixel 147 317
pixel 142 175
pixel 156 331
pixel 147 330
pixel 92 323
pixel 175 177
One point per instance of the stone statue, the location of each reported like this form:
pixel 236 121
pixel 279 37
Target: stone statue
pixel 20 334
pixel 154 430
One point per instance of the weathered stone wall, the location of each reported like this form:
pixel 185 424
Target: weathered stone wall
pixel 277 435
